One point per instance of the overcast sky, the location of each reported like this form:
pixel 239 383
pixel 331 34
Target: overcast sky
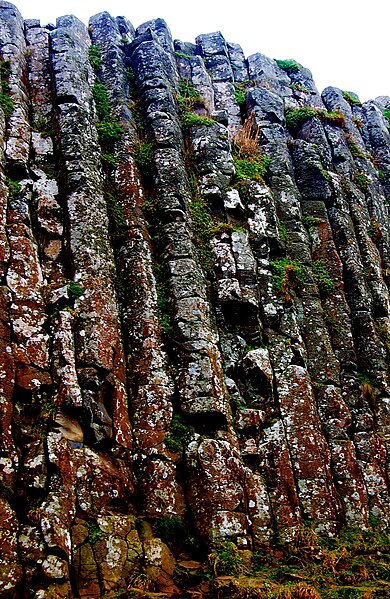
pixel 344 43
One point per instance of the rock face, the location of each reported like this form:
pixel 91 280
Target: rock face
pixel 195 326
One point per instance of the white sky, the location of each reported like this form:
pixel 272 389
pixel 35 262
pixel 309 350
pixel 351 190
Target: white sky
pixel 345 43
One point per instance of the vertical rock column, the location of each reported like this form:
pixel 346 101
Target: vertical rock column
pixel 24 332
pixel 98 342
pixel 150 384
pixel 200 385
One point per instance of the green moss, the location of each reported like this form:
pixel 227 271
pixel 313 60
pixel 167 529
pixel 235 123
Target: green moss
pixel 361 180
pixel 202 227
pixel 290 66
pixel 351 99
pixel 334 117
pixel 354 148
pixel 240 93
pixel 178 432
pixel 143 154
pixel 322 277
pixel 299 88
pixel 289 276
pixel 75 290
pixel 226 228
pixel 189 119
pixel 94 532
pixel 182 55
pixel 386 114
pixel 252 168
pixel 296 117
pixel 115 212
pixel 187 99
pixel 14 188
pixel 95 56
pixel 225 559
pixel 161 275
pixel 310 221
pixel 6 102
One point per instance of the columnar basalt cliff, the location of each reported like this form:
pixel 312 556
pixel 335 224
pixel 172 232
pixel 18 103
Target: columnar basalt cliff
pixel 195 329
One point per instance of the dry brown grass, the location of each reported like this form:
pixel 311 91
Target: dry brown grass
pixel 300 591
pixel 246 140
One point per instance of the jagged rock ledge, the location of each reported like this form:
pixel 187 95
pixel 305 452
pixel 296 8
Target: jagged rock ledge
pixel 195 331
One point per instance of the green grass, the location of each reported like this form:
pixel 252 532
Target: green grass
pixel 6 102
pixel 143 154
pixel 353 564
pixel 334 117
pixel 296 117
pixel 354 148
pixel 253 168
pixel 202 228
pixel 189 119
pixel 310 221
pixel 299 88
pixel 43 126
pixel 95 56
pixel 386 114
pixel 225 559
pixel 94 532
pixel 289 277
pixel 322 277
pixel 290 66
pixel 182 55
pixel 14 188
pixel 178 432
pixel 187 99
pixel 109 131
pixel 351 99
pixel 102 103
pixel 226 228
pixel 361 180
pixel 108 127
pixel 240 93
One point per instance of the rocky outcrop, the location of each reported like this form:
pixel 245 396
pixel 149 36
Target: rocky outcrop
pixel 195 327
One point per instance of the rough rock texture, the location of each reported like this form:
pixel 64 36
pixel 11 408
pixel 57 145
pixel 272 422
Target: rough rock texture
pixel 185 341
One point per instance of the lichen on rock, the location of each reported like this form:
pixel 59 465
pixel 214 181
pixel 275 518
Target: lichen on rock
pixel 195 326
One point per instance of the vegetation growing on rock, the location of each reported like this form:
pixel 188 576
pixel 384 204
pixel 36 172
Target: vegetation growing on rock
pixel 194 377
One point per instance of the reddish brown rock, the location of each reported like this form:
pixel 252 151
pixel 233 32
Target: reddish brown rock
pixel 179 342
